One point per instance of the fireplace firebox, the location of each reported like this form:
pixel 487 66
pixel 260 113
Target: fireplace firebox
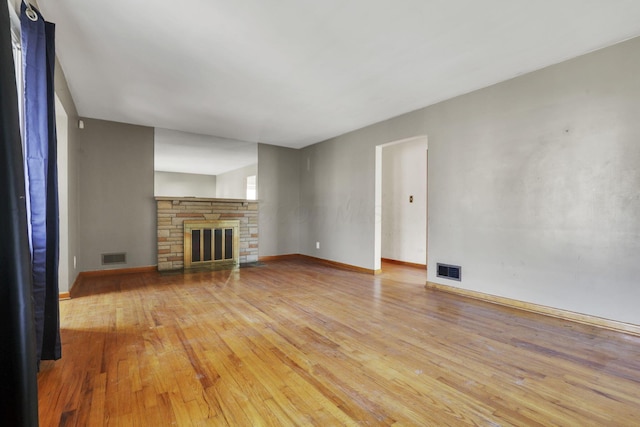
pixel 211 243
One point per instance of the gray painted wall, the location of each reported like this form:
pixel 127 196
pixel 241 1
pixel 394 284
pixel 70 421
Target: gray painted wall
pixel 233 184
pixel 337 200
pixel 174 184
pixel 533 186
pixel 279 200
pixel 541 201
pixel 117 208
pixel 404 223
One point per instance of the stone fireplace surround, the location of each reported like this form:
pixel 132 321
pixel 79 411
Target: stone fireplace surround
pixel 173 211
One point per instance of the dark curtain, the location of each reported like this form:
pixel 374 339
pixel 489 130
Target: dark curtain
pixel 18 384
pixel 51 347
pixel 38 56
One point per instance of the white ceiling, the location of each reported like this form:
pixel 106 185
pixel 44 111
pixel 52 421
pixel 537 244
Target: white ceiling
pixel 295 72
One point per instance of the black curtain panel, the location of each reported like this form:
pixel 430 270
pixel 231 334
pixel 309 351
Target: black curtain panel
pixel 38 55
pixel 51 349
pixel 18 384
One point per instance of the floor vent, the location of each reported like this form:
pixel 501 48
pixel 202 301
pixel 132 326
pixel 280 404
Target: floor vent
pixel 109 259
pixel 453 272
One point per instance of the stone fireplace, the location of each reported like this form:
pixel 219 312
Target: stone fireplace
pixel 215 221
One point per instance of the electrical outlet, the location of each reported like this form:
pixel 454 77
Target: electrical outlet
pixel 317 245
pixel 75 262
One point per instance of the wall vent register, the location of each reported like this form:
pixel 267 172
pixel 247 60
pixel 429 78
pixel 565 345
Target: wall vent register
pixel 448 271
pixel 119 258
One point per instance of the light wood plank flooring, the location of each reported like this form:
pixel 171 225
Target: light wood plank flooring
pixel 298 343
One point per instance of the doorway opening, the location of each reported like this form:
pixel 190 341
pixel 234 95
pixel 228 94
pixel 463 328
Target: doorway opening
pixel 401 202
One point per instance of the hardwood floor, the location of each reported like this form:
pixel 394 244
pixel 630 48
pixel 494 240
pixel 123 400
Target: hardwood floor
pixel 298 343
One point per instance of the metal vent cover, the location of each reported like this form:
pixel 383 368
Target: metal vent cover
pixel 448 271
pixel 116 258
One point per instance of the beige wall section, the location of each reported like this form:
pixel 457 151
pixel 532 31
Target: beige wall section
pixel 117 207
pixel 233 184
pixel 279 198
pixel 533 186
pixel 173 184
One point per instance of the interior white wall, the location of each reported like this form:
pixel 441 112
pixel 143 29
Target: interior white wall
pixel 533 186
pixel 176 184
pixel 233 184
pixel 404 223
